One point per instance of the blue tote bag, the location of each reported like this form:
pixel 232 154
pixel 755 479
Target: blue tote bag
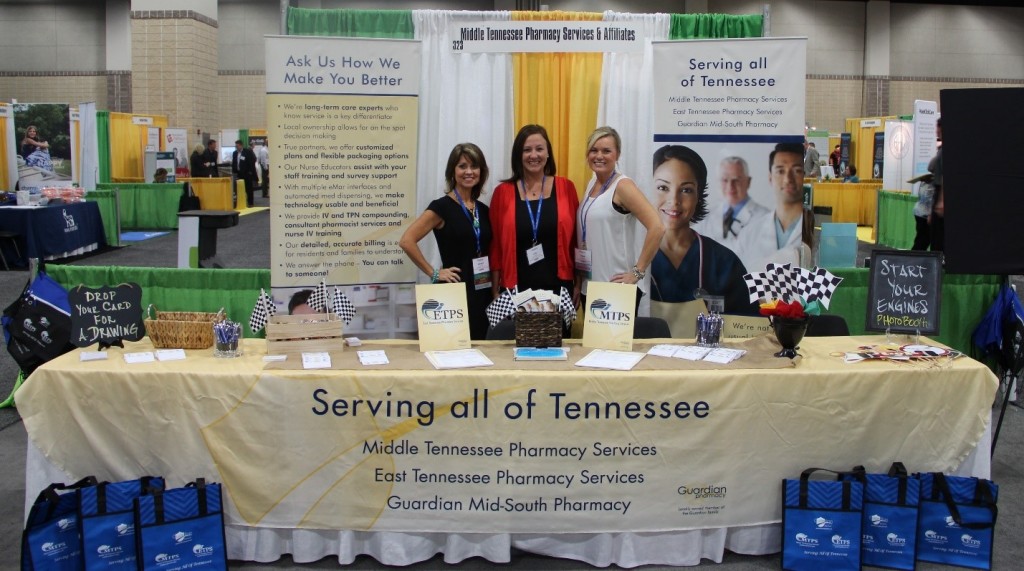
pixel 890 519
pixel 821 523
pixel 181 528
pixel 50 541
pixel 957 521
pixel 106 519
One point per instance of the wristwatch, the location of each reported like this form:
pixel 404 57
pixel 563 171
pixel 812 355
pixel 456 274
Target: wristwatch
pixel 639 275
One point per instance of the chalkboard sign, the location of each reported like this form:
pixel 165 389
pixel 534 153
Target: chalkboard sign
pixel 106 315
pixel 905 291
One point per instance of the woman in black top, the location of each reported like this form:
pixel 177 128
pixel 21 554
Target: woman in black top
pixel 462 229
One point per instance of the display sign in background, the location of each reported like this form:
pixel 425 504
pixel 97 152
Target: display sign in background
pixel 342 116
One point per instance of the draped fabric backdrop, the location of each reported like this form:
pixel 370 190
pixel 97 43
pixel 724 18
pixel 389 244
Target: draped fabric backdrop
pixel 103 144
pixel 485 98
pixel 472 103
pixel 128 144
pixel 560 91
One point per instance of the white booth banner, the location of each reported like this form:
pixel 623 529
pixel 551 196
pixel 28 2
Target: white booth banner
pixel 546 37
pixel 926 116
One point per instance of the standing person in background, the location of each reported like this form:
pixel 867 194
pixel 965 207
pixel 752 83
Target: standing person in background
pixel 922 210
pixel 835 158
pixel 533 215
pixel 812 168
pixel 196 162
pixel 211 158
pixel 263 156
pixel 937 220
pixel 462 228
pixel 607 250
pixel 243 168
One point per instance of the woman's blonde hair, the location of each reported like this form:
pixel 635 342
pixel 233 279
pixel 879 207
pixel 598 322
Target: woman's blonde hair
pixel 602 132
pixel 199 148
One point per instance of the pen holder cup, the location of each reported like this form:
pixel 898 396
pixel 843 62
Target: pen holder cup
pixel 709 330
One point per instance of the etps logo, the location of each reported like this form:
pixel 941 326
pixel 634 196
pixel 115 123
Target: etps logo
pixel 895 540
pixel 602 310
pixel 200 550
pixel 822 523
pixel 434 310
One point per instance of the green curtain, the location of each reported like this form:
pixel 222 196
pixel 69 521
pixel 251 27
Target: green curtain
pixel 173 289
pixel 146 206
pixel 896 226
pixel 965 299
pixel 691 26
pixel 106 201
pixel 395 24
pixel 103 142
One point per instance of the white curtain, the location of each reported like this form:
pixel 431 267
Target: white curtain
pixel 89 169
pixel 464 98
pixel 627 98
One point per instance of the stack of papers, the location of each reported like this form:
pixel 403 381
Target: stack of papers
pixel 540 353
pixel 605 359
pixel 695 353
pixel 458 359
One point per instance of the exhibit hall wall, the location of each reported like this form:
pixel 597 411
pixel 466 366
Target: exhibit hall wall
pixel 64 50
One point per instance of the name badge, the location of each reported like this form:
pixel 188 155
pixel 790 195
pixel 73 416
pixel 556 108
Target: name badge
pixel 535 254
pixel 481 273
pixel 584 262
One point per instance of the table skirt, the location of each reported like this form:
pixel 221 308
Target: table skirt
pixel 676 548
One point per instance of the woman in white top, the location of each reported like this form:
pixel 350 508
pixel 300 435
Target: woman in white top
pixel 606 220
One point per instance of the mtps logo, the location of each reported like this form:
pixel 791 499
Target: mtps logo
pixel 603 311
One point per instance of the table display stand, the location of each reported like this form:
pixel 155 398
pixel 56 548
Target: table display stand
pixel 197 231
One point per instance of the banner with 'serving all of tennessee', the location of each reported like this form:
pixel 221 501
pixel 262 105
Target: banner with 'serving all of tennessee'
pixel 343 116
pixel 732 101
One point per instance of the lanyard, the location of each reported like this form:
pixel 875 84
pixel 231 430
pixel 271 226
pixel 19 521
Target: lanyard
pixel 589 203
pixel 534 221
pixel 473 218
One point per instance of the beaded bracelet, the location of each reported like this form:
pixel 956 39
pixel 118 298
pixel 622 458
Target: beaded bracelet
pixel 434 277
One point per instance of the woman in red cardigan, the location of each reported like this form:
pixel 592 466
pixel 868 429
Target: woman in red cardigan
pixel 533 215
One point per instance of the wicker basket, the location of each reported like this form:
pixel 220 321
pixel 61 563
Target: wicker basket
pixel 538 328
pixel 181 329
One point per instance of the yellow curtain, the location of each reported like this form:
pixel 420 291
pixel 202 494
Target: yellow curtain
pixel 561 92
pixel 6 122
pixel 128 144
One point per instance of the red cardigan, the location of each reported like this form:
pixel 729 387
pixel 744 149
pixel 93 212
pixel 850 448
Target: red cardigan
pixel 503 223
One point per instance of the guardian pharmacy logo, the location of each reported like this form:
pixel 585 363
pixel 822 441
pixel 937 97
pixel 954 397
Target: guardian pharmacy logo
pixel 895 540
pixel 124 529
pixel 968 541
pixel 822 523
pixel 434 311
pixel 201 550
pixel 603 311
pixel 839 542
pixel 803 540
pixel 182 537
pixel 66 524
pixel 935 538
pixel 950 522
pixel 879 521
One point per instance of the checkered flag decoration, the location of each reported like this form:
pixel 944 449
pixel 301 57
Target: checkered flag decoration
pixel 760 286
pixel 567 307
pixel 818 284
pixel 501 307
pixel 343 306
pixel 261 312
pixel 318 298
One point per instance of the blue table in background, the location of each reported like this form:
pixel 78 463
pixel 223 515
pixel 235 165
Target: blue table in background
pixel 52 231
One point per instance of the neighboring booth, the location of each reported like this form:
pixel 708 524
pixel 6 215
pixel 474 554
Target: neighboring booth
pixel 855 202
pixel 197 236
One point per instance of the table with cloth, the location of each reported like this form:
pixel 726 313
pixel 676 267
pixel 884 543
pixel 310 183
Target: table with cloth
pixel 53 231
pixel 669 463
pixel 855 202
